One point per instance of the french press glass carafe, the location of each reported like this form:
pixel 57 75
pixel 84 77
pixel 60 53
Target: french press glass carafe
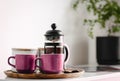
pixel 54 42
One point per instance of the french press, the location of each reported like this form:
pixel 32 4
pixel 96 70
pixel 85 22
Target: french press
pixel 54 42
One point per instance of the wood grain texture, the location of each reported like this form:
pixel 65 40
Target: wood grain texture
pixel 12 74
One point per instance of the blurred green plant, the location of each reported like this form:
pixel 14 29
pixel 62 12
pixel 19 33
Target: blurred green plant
pixel 103 10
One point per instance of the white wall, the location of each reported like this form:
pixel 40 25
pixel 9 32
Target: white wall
pixel 24 22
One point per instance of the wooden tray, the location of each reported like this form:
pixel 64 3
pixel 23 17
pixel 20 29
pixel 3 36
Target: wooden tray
pixel 65 74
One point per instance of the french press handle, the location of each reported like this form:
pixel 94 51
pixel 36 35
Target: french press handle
pixel 66 48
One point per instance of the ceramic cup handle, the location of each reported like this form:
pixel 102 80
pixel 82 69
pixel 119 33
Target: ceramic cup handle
pixel 38 59
pixel 11 57
pixel 67 52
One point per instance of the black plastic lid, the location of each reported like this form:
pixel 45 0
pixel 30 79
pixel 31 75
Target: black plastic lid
pixel 54 32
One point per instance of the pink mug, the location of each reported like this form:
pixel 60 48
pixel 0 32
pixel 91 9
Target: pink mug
pixel 51 63
pixel 23 63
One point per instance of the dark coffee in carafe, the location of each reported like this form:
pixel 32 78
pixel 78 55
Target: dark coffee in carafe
pixel 55 48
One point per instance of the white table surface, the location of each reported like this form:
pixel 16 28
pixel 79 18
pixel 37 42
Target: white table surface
pixel 87 76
